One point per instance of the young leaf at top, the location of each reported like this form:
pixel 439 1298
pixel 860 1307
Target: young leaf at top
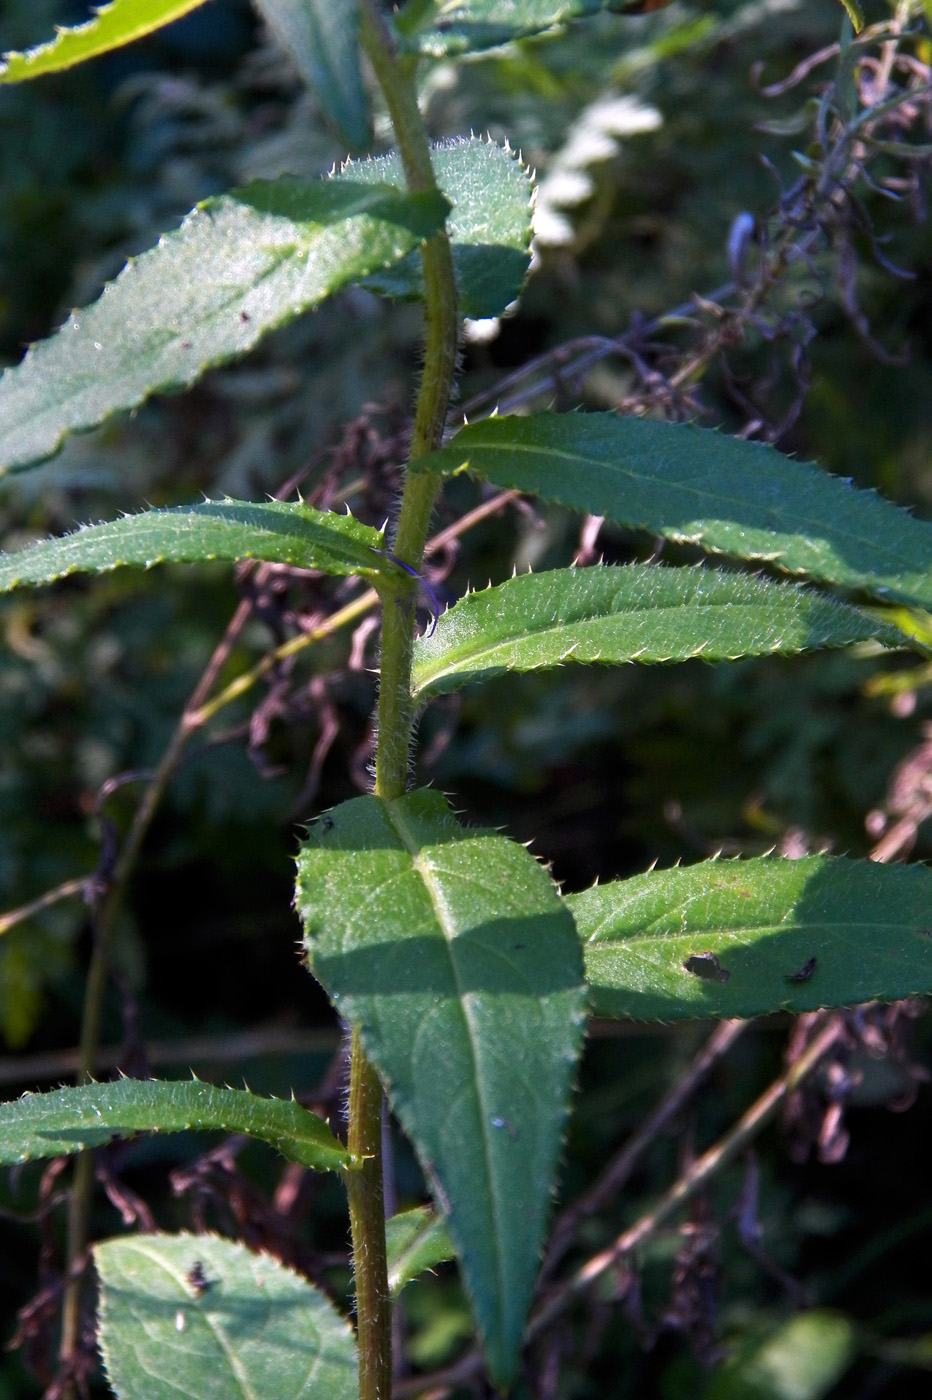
pixel 750 937
pixel 415 1241
pixel 113 25
pixel 444 27
pixel 70 1120
pixel 277 531
pixel 196 1315
pixel 323 40
pixel 702 487
pixel 489 190
pixel 642 612
pixel 238 267
pixel 452 952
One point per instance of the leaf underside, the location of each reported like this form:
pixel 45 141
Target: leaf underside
pixel 323 41
pixel 276 531
pixel 70 1120
pixel 469 26
pixel 489 224
pixel 239 266
pixel 452 952
pixel 113 25
pixel 642 612
pixel 195 1315
pixel 702 487
pixel 749 937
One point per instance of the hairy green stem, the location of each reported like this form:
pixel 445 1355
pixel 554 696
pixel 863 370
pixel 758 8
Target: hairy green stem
pixel 396 77
pixel 365 1191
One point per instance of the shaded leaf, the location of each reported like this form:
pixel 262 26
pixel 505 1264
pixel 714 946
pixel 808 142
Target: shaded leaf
pixel 238 267
pixel 70 1120
pixel 643 612
pixel 695 485
pixel 452 952
pixel 195 1315
pixel 113 25
pixel 442 27
pixel 791 935
pixel 276 531
pixel 416 1240
pixel 489 224
pixel 323 40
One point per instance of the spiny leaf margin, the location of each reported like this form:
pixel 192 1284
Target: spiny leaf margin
pixel 113 25
pixel 71 1120
pixel 755 926
pixel 450 950
pixel 278 532
pixel 253 1329
pixel 641 612
pixel 698 486
pixel 489 226
pixel 240 265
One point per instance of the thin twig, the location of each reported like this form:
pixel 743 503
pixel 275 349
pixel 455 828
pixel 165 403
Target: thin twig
pixel 698 1175
pixel 613 1178
pixel 730 1145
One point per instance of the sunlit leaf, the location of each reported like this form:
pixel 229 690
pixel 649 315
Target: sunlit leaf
pixel 195 1315
pixel 113 25
pixel 855 14
pixel 452 952
pixel 640 613
pixel 239 266
pixel 802 1358
pixel 279 532
pixel 489 190
pixel 748 937
pixel 70 1120
pixel 694 485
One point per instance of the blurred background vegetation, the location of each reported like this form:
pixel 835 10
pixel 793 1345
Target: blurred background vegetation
pixel 647 136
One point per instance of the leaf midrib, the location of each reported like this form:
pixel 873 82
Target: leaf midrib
pixel 532 450
pixel 218 1333
pixel 445 924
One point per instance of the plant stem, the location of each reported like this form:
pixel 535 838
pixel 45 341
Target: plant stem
pixel 364 1189
pixel 396 77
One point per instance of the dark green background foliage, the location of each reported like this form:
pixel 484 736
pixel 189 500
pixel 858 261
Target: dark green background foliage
pixel 605 770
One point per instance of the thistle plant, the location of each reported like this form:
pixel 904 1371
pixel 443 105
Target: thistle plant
pixel 463 973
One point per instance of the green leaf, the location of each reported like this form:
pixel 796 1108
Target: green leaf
pixel 70 1120
pixel 802 1359
pixel 855 14
pixel 277 531
pixel 444 27
pixel 195 1315
pixel 489 225
pixel 695 485
pixel 416 1240
pixel 239 266
pixel 748 937
pixel 113 25
pixel 639 613
pixel 452 952
pixel 323 40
